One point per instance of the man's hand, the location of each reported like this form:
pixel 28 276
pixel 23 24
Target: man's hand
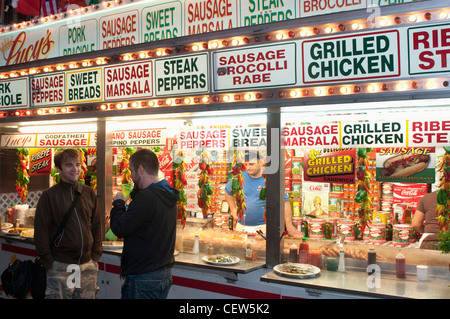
pixel 294 232
pixel 119 195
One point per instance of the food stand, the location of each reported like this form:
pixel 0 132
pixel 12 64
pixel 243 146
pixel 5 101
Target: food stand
pixel 307 86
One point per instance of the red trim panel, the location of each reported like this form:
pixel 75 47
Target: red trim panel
pixel 223 289
pixel 19 250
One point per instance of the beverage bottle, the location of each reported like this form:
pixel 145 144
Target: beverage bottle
pixel 303 252
pixel 389 229
pixel 400 265
pixel 305 228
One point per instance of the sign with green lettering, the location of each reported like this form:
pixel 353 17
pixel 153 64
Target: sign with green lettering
pixel 78 37
pixel 84 86
pixel 182 75
pixel 253 12
pixel 13 93
pixel 352 57
pixel 162 21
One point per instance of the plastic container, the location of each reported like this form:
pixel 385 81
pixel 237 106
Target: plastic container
pixel 293 253
pixel 315 257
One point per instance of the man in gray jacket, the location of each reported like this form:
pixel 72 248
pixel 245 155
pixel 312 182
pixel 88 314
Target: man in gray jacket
pixel 71 259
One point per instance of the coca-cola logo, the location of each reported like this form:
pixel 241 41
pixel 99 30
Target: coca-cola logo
pixel 409 192
pixel 315 188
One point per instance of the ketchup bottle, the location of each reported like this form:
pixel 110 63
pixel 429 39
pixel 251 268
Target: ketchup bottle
pixel 400 265
pixel 303 252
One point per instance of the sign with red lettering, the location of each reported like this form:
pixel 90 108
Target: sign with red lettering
pixel 405 164
pixel 310 8
pixel 329 165
pixel 128 81
pixel 18 140
pixel 261 66
pixel 77 140
pixel 215 138
pixel 147 137
pixel 429 49
pixel 40 161
pixel 429 133
pixel 202 16
pixel 119 30
pixel 24 46
pixel 14 93
pixel 310 135
pixel 47 89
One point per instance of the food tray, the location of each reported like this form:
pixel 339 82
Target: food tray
pixel 288 270
pixel 215 260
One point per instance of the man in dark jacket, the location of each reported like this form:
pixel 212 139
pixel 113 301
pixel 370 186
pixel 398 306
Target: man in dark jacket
pixel 80 243
pixel 148 228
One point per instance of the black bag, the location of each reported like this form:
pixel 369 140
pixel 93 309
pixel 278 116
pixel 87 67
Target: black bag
pixel 16 279
pixel 39 280
pixel 19 277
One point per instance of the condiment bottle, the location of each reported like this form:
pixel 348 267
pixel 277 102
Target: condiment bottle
pixel 400 265
pixel 249 251
pixel 303 252
pixel 341 267
pixel 195 249
pixel 371 258
pixel 389 229
pixel 293 255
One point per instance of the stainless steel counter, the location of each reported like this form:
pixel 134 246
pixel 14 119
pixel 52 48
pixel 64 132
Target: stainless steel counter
pixel 195 260
pixel 356 283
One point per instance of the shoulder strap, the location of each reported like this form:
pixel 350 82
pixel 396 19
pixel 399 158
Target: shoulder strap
pixel 68 214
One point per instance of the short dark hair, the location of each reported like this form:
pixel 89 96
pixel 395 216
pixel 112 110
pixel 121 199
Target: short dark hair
pixel 62 156
pixel 252 155
pixel 147 159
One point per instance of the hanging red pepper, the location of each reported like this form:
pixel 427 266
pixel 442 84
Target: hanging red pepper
pixel 22 177
pixel 363 197
pixel 237 183
pixel 205 189
pixel 180 182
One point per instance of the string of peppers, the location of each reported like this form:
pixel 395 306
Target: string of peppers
pixel 443 203
pixel 93 152
pixel 82 176
pixel 205 188
pixel 127 182
pixel 237 182
pixel 22 177
pixel 180 182
pixel 363 194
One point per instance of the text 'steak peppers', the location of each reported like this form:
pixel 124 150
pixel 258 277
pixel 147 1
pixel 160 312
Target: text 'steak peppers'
pixel 22 177
pixel 205 188
pixel 237 182
pixel 363 194
pixel 180 183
